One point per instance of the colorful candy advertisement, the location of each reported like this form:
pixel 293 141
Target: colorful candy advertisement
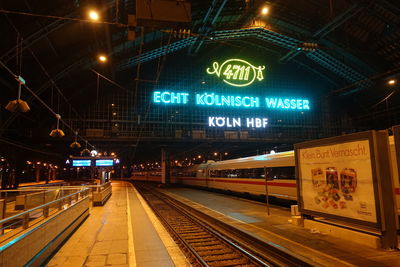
pixel 338 180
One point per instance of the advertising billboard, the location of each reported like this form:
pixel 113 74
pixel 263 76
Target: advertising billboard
pixel 348 178
pixel 338 179
pixel 81 163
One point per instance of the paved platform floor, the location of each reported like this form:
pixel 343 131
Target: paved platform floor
pixel 251 216
pixel 124 232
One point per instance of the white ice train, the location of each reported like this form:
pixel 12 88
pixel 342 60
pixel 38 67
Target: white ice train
pixel 247 175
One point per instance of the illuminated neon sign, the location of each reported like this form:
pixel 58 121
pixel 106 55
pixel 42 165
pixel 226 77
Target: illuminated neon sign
pixel 219 100
pixel 229 122
pixel 170 97
pixel 237 72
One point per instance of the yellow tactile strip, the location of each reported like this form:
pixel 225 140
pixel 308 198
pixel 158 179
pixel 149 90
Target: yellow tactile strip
pixel 131 245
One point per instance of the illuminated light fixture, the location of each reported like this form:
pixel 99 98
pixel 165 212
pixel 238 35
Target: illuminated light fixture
pixel 265 10
pixel 93 15
pixel 75 144
pixel 57 132
pixel 93 153
pixel 18 104
pixel 215 153
pixel 85 151
pixel 308 46
pixel 392 82
pixel 199 156
pixel 102 58
pixel 272 152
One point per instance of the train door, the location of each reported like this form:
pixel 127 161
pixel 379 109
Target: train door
pixel 266 188
pixel 206 175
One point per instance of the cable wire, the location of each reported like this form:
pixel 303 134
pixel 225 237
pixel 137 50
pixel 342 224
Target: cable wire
pixel 44 103
pixel 60 18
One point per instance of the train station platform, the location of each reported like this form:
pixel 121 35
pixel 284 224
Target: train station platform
pixel 123 232
pixel 251 217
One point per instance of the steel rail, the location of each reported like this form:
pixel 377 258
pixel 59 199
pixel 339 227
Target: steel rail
pixel 227 240
pixel 260 247
pixel 177 235
pixel 251 256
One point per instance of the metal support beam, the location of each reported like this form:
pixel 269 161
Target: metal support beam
pixel 206 26
pixel 153 54
pixel 34 38
pixel 43 32
pixel 322 58
pixel 325 30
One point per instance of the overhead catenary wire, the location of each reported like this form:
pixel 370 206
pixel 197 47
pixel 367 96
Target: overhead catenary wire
pixel 59 17
pixel 23 146
pixel 19 63
pixel 108 79
pixel 44 103
pixel 385 98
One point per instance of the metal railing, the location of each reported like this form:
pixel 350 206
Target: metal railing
pixel 17 223
pixel 99 188
pixel 92 188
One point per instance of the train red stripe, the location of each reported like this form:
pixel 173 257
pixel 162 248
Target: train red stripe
pixel 243 182
pixel 397 191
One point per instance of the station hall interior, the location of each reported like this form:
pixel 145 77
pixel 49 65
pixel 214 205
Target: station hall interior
pixel 199 133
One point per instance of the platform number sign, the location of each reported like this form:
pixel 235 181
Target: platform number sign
pixel 237 72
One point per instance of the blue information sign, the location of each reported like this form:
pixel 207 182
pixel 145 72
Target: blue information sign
pixel 81 163
pixel 104 162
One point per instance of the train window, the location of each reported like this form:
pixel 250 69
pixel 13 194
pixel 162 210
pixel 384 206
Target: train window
pixel 286 173
pixel 190 174
pixel 257 173
pixel 215 173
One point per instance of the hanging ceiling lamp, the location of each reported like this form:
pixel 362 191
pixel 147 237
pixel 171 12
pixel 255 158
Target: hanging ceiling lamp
pixel 86 151
pixel 57 132
pixel 75 144
pixel 18 104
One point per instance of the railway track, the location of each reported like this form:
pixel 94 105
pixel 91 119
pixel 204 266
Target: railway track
pixel 205 242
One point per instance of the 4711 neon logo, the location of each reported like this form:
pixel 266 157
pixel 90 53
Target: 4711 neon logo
pixel 237 72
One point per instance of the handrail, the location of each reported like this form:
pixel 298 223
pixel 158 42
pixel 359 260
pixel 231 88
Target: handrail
pixel 70 186
pixel 27 190
pixel 40 207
